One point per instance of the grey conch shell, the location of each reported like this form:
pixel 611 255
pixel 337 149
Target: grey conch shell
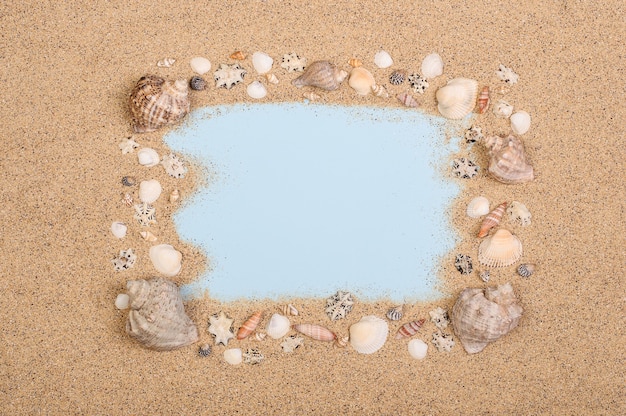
pixel 321 74
pixel 508 163
pixel 157 317
pixel 156 102
pixel 481 316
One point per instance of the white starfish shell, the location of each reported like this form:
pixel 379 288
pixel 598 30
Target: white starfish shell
pixel 293 63
pixel 145 214
pixel 128 145
pixel 291 343
pixel 228 76
pixel 339 305
pixel 174 166
pixel 125 260
pixel 222 327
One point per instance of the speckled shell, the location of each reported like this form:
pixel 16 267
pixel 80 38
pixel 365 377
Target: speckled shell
pixel 500 249
pixel 321 74
pixel 508 163
pixel 156 102
pixel 316 332
pixel 157 318
pixel 481 316
pixel 457 98
pixel 492 220
pixel 248 327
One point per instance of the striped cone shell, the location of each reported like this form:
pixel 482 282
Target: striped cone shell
pixel 289 310
pixel 407 99
pixel 409 329
pixel 316 332
pixel 250 325
pixel 492 220
pixel 483 100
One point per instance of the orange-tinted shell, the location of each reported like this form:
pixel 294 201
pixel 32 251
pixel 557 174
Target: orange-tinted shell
pixel 409 329
pixel 250 325
pixel 316 332
pixel 483 100
pixel 355 63
pixel 156 102
pixel 240 56
pixel 492 219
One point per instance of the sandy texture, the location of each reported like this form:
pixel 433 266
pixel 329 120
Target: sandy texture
pixel 65 73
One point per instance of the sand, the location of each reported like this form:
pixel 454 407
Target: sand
pixel 66 71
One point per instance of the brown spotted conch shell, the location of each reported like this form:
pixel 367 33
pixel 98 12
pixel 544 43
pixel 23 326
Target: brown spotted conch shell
pixel 508 163
pixel 321 74
pixel 156 102
pixel 157 317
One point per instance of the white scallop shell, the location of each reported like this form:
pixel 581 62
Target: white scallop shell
pixel 166 259
pixel 478 207
pixel 262 62
pixel 233 356
pixel 361 80
pixel 418 349
pixel 369 334
pixel 149 191
pixel 122 301
pixel 520 122
pixel 200 65
pixel 382 59
pixel 119 229
pixel 500 249
pixel 277 326
pixel 457 98
pixel 432 66
pixel 148 157
pixel 502 109
pixel 256 90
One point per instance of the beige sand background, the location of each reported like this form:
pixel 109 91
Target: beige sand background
pixel 65 73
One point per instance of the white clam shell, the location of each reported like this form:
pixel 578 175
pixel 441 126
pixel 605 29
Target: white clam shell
pixel 361 80
pixel 119 229
pixel 478 207
pixel 166 259
pixel 256 90
pixel 148 157
pixel 432 66
pixel 418 349
pixel 122 301
pixel 382 59
pixel 457 98
pixel 233 356
pixel 278 326
pixel 520 122
pixel 262 62
pixel 149 191
pixel 200 65
pixel 369 334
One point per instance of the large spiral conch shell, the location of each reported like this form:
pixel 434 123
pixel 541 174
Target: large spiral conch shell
pixel 157 318
pixel 508 163
pixel 321 74
pixel 457 98
pixel 481 316
pixel 156 102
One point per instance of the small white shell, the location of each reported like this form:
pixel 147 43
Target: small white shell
pixel 149 191
pixel 166 63
pixel 148 157
pixel 432 66
pixel 418 349
pixel 148 236
pixel 502 109
pixel 520 122
pixel 166 259
pixel 119 229
pixel 277 326
pixel 200 65
pixel 271 78
pixel 361 80
pixel 174 196
pixel 256 90
pixel 122 301
pixel 382 59
pixel 233 356
pixel 369 334
pixel 262 62
pixel 478 207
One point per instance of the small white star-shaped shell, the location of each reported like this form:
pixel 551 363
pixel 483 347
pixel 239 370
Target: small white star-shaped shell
pixel 474 134
pixel 228 76
pixel 339 305
pixel 128 145
pixel 291 343
pixel 145 214
pixel 222 327
pixel 507 75
pixel 293 63
pixel 464 168
pixel 125 260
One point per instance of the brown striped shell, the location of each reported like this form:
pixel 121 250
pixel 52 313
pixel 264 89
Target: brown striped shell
pixel 316 332
pixel 321 74
pixel 156 102
pixel 492 220
pixel 409 329
pixel 250 325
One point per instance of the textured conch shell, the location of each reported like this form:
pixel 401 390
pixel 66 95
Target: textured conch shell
pixel 369 334
pixel 156 102
pixel 316 332
pixel 361 80
pixel 157 317
pixel 248 327
pixel 166 259
pixel 321 74
pixel 457 98
pixel 500 250
pixel 508 163
pixel 492 220
pixel 481 316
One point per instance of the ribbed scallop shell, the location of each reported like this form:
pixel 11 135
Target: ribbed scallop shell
pixel 508 163
pixel 316 332
pixel 156 102
pixel 457 98
pixel 492 220
pixel 369 334
pixel 248 327
pixel 157 317
pixel 481 316
pixel 321 74
pixel 409 329
pixel 478 207
pixel 500 249
pixel 361 80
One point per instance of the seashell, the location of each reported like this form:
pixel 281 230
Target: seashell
pixel 221 327
pixel 149 191
pixel 174 166
pixel 262 62
pixel 148 157
pixel 341 342
pixel 200 65
pixel 204 350
pixel 397 77
pixel 473 134
pixel 409 329
pixel 249 325
pixel 278 326
pixel 369 334
pixel 174 196
pixel 418 83
pixel 145 214
pixel 380 91
pixel 339 305
pixel 442 341
pixel 477 207
pixel 311 96
pixel 227 76
pixel 492 220
pixel 500 250
pixel 233 356
pixel 507 75
pixel 166 63
pixel 502 109
pixel 125 260
pixel 464 168
pixel 439 317
pixel 418 349
pixel 166 259
pixel 289 310
pixel 407 99
pixel 382 59
pixel 361 80
pixel 119 229
pixel 156 102
pixel 395 313
pixel 484 276
pixel 463 263
pixel 256 90
pixel 293 63
pixel 148 236
pixel 481 316
pixel 354 62
pixel 253 356
pixel 483 100
pixel 519 214
pixel 291 343
pixel 157 317
pixel 321 74
pixel 129 181
pixel 128 145
pixel 127 199
pixel 508 162
pixel 271 78
pixel 197 83
pixel 432 66
pixel 317 332
pixel 457 98
pixel 259 336
pixel 520 122
pixel 238 55
pixel 122 301
pixel 526 269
